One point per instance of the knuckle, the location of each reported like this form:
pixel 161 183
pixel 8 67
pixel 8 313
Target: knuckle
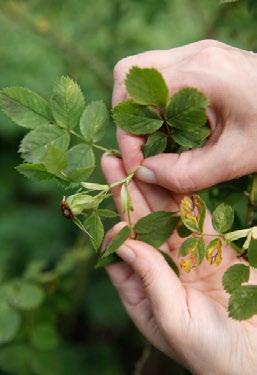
pixel 183 179
pixel 212 55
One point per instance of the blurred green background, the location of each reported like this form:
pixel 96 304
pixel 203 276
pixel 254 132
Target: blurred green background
pixel 81 327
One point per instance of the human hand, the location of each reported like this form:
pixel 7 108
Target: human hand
pixel 228 77
pixel 186 317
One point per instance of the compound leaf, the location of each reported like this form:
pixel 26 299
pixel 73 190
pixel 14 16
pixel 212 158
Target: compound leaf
pixel 187 109
pixel 34 145
pixel 193 211
pixel 156 143
pixel 35 171
pixel 156 227
pixel 223 218
pixel 67 103
pixel 25 107
pixel 135 118
pixel 235 276
pixel 94 121
pixel 81 162
pixel 243 302
pixel 95 228
pixel 252 253
pixel 117 241
pixel 55 160
pixel 147 86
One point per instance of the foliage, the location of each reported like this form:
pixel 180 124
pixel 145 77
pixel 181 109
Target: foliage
pixel 43 41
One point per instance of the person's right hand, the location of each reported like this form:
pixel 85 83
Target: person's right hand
pixel 228 76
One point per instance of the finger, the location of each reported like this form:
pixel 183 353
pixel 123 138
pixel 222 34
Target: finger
pixel 133 297
pixel 113 170
pixel 131 149
pixel 161 285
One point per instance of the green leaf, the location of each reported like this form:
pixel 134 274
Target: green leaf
pixel 95 228
pixel 183 231
pixel 44 337
pixel 243 302
pixel 252 253
pixel 117 241
pixel 170 262
pixel 95 187
pixel 192 212
pixel 81 162
pixel 55 160
pixel 192 138
pixel 94 121
pixel 156 143
pixel 35 171
pixel 105 261
pixel 9 323
pixel 135 118
pixel 187 109
pixel 67 103
pixel 34 145
pixel 193 245
pixel 156 227
pixel 106 213
pixel 25 107
pixel 147 86
pixel 80 202
pixel 24 295
pixel 223 218
pixel 235 276
pixel 253 192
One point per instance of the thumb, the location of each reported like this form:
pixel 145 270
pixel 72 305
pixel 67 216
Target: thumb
pixel 161 285
pixel 191 170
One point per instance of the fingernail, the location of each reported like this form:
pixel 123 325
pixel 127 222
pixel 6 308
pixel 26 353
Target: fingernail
pixel 146 175
pixel 126 254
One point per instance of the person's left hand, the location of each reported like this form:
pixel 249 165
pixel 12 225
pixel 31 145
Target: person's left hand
pixel 185 317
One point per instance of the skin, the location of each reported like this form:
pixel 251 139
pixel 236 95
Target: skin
pixel 186 317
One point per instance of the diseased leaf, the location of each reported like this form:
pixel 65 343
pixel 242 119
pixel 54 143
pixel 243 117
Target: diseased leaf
pixel 235 276
pixel 194 246
pixel 105 261
pixel 106 213
pixel 9 323
pixel 67 103
pixel 214 252
pixel 156 227
pixel 187 109
pixel 35 171
pixel 95 228
pixel 156 143
pixel 146 86
pixel 223 218
pixel 135 118
pixel 81 162
pixel 24 295
pixel 117 241
pixel 34 145
pixel 193 211
pixel 252 253
pixel 94 121
pixel 81 202
pixel 243 302
pixel 55 160
pixel 25 107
